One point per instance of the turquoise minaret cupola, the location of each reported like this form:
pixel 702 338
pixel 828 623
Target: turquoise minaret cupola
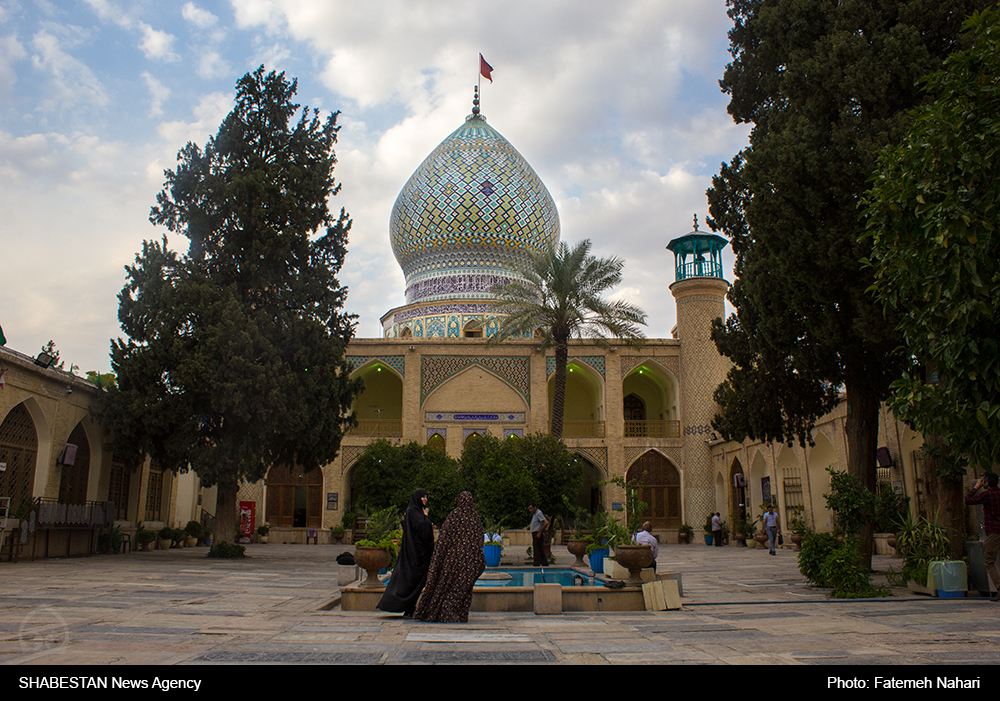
pixel 690 253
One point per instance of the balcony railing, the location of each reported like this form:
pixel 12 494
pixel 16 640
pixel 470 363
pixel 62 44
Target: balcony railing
pixel 582 429
pixel 652 429
pixel 377 428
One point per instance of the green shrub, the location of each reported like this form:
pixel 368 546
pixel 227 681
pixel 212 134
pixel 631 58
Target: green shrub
pixel 227 550
pixel 842 570
pixel 919 541
pixel 890 510
pixel 853 505
pixel 815 549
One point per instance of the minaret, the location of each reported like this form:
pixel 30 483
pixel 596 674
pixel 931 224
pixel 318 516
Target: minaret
pixel 699 290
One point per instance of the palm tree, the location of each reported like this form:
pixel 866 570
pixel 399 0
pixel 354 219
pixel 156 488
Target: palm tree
pixel 559 295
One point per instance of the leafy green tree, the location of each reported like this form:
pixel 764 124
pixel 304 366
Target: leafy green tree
pixel 825 85
pixel 932 221
pixel 234 356
pixel 505 475
pixel 559 293
pixel 386 475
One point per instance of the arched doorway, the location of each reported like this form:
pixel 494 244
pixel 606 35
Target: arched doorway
pixel 75 464
pixel 294 497
pixel 437 442
pixel 19 449
pixel 660 489
pixel 634 408
pixel 738 484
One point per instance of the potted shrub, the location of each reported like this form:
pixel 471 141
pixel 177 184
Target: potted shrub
pixel 493 543
pixel 348 524
pixel 685 534
pixel 798 526
pixel 192 531
pixel 742 529
pixel 164 538
pixel 378 551
pixel 145 538
pixel 262 532
pixel 597 548
pixel 337 533
pixel 577 543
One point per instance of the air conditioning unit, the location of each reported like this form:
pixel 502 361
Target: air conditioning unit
pixel 68 455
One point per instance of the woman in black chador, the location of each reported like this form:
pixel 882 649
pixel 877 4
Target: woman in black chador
pixel 410 574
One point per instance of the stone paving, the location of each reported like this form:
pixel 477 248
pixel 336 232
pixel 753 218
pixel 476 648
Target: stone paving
pixel 740 606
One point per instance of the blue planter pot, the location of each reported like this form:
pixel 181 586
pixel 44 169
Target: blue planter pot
pixel 492 553
pixel 708 539
pixel 597 560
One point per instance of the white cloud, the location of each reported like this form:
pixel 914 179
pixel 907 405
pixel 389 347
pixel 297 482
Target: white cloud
pixel 11 52
pixel 212 65
pixel 72 83
pixel 156 44
pixel 203 19
pixel 158 93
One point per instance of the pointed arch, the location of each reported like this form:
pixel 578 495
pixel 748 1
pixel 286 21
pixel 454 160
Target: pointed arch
pixel 822 456
pixel 74 467
pixel 755 485
pixel 737 491
pixel 656 387
pixel 660 489
pixel 379 408
pixel 583 415
pixel 19 448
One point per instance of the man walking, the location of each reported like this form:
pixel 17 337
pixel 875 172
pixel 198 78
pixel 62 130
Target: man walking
pixel 771 527
pixel 990 499
pixel 538 525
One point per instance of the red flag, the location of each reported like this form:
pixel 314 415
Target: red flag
pixel 485 69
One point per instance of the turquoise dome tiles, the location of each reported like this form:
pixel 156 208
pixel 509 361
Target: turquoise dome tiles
pixel 471 210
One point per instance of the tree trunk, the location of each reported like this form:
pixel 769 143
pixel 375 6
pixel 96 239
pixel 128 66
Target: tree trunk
pixel 559 389
pixel 944 498
pixel 226 517
pixel 862 448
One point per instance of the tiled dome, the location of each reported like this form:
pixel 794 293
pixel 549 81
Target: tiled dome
pixel 472 209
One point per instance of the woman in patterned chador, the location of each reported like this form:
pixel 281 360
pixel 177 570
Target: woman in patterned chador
pixel 455 566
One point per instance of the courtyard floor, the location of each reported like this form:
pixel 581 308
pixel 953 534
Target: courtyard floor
pixel 740 606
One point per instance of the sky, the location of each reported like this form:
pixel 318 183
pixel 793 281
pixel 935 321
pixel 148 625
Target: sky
pixel 616 106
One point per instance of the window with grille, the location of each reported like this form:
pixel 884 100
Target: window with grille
pixel 154 494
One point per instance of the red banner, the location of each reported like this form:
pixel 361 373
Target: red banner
pixel 248 513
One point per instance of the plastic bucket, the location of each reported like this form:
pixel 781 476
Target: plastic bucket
pixel 949 577
pixel 597 560
pixel 951 594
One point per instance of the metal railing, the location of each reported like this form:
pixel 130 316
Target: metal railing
pixel 50 513
pixel 377 428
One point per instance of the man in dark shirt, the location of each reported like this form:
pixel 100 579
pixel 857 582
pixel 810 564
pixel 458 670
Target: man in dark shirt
pixel 990 499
